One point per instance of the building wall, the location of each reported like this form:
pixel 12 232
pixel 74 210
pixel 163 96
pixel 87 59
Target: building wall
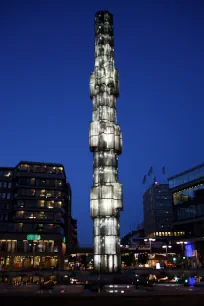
pixel 157 207
pixel 35 216
pixel 187 190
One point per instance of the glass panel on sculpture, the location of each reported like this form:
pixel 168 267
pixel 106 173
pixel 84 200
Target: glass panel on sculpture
pixel 94 141
pixel 110 263
pixel 110 244
pixel 97 261
pixel 106 192
pixel 110 226
pixel 97 245
pixel 94 128
pixel 96 226
pixel 115 257
pixel 117 191
pixel 95 115
pixel 94 208
pixel 94 193
pixel 105 113
pixel 96 176
pixel 118 204
pixel 110 175
pixel 106 207
pixel 112 115
pixel 110 159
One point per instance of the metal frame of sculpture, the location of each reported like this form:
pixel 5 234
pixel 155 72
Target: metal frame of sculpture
pixel 105 141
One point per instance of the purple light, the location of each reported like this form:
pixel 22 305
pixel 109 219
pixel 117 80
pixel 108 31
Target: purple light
pixel 189 248
pixel 191 281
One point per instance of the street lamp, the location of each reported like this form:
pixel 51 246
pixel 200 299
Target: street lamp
pixel 150 243
pixel 182 245
pixel 166 247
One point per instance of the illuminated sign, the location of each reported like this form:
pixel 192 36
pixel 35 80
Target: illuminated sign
pixel 33 237
pixel 64 240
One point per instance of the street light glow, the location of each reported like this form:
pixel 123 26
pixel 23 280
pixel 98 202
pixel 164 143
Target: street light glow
pixel 181 242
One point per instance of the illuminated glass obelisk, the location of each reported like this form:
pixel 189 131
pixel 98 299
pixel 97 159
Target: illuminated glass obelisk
pixel 105 141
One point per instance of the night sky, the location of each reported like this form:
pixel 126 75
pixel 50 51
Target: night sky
pixel 46 57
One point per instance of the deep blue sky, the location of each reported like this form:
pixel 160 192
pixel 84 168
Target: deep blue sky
pixel 46 56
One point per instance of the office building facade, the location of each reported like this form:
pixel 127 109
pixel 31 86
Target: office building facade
pixel 35 216
pixel 187 190
pixel 157 208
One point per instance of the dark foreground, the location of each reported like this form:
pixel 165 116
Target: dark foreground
pixel 187 299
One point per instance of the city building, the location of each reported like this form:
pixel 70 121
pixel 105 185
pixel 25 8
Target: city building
pixel 133 240
pixel 157 207
pixel 187 190
pixel 36 226
pixel 105 141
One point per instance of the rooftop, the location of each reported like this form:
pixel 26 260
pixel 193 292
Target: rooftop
pixel 187 171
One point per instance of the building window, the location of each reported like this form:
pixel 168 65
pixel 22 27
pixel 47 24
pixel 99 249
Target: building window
pixel 32 181
pixel 23 181
pixel 50 204
pixel 5 184
pixel 30 192
pixel 51 170
pixel 9 185
pixel 23 167
pixel 21 192
pixel 20 204
pixel 8 195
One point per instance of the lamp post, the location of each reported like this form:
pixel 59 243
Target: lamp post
pixel 150 245
pixel 33 252
pixel 166 247
pixel 182 243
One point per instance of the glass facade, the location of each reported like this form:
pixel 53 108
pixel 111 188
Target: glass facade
pixel 188 201
pixel 189 176
pixel 187 194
